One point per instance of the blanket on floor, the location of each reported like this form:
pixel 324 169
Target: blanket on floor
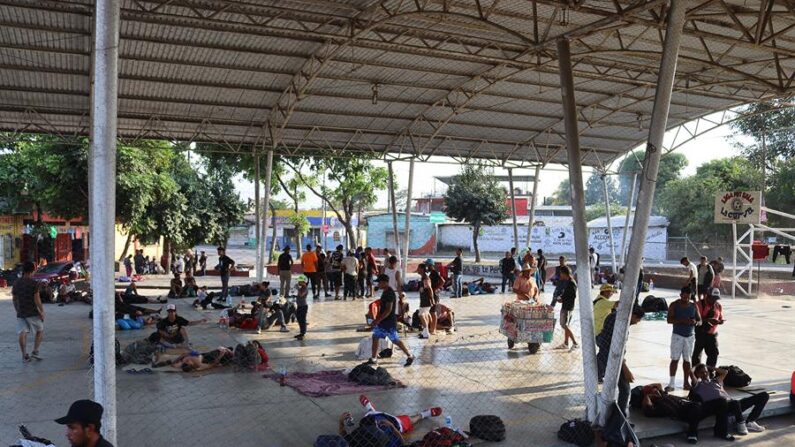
pixel 327 383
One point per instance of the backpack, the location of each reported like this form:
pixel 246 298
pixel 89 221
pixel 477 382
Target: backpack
pixel 248 323
pixel 412 286
pixel 139 352
pixel 365 374
pixel 442 437
pixel 487 427
pixel 369 436
pixel 246 356
pixel 736 378
pixel 654 304
pixel 636 397
pixel 330 441
pixel 576 431
pixel 119 359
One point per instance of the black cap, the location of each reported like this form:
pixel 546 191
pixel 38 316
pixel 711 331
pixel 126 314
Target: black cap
pixel 84 411
pixel 383 278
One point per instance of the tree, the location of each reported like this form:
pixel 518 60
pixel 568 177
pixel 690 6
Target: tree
pixel 595 189
pixel 293 187
pixel 671 166
pixel 689 202
pixel 475 196
pixel 598 210
pixel 781 191
pixel 562 195
pixel 356 182
pixel 773 120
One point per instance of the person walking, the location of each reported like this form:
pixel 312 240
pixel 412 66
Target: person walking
pixel 301 307
pixel 711 313
pixel 309 265
pixel 568 295
pixel 542 269
pixel 684 317
pixel 128 265
pixel 350 270
pixel 593 263
pixel 30 312
pixel 334 271
pixel 385 324
pixel 508 270
pixel 203 263
pixel 225 267
pixel 456 268
pixel 285 264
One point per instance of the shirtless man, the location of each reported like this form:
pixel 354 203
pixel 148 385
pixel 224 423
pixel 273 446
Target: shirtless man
pixel 525 286
pixel 192 361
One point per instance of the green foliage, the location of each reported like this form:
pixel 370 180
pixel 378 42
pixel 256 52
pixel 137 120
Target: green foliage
pixel 775 120
pixel 671 166
pixel 598 210
pixel 688 202
pixel 595 189
pixel 299 222
pixel 562 195
pixel 474 196
pixel 781 193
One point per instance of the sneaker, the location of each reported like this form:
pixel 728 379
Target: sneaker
pixel 436 411
pixel 742 429
pixel 409 361
pixel 35 355
pixel 754 427
pixel 371 362
pixel 728 438
pixel 670 389
pixel 25 358
pixel 692 439
pixel 299 337
pixel 562 346
pixel 284 329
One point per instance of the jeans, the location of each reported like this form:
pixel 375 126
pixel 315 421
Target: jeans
pixel 709 344
pixel 264 322
pixel 457 285
pixel 757 401
pixel 507 277
pixel 543 278
pixel 719 408
pixel 314 280
pixel 285 276
pixel 300 315
pixel 349 286
pixel 360 285
pixel 224 285
pixel 624 391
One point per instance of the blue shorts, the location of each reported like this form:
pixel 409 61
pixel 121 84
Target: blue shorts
pixel 379 332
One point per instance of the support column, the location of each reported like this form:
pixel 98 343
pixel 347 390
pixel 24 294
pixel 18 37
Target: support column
pixel 532 219
pixel 648 182
pixel 393 205
pixel 102 207
pixel 266 203
pixel 257 219
pixel 734 260
pixel 588 341
pixel 609 224
pixel 627 218
pixel 513 211
pixel 407 227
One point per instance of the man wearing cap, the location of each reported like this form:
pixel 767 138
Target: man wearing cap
pixel 711 313
pixel 385 324
pixel 83 422
pixel 171 330
pixel 602 307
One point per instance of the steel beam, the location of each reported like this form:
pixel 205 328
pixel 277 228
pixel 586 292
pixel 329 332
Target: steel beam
pixel 257 220
pixel 609 225
pixel 580 230
pixel 627 218
pixel 513 211
pixel 407 227
pixel 648 181
pixel 102 206
pixel 393 207
pixel 532 219
pixel 266 207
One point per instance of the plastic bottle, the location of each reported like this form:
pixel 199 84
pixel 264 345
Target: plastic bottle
pixel 651 284
pixel 282 375
pixel 448 422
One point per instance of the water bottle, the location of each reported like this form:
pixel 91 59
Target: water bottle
pixel 282 375
pixel 448 422
pixel 651 284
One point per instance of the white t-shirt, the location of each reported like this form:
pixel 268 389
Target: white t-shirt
pixel 592 260
pixel 392 274
pixel 693 270
pixel 350 263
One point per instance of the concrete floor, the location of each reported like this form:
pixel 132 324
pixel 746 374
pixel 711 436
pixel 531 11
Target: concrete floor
pixel 470 372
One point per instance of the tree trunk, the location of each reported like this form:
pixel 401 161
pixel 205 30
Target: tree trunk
pixel 298 236
pixel 165 260
pixel 273 234
pixel 351 234
pixel 475 232
pixel 126 247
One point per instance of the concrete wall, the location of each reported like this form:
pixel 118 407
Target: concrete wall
pixel 422 237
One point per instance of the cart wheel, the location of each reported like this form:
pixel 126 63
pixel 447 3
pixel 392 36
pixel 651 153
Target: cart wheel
pixel 510 344
pixel 533 347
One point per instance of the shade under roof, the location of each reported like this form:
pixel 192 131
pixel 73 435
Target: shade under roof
pixel 467 79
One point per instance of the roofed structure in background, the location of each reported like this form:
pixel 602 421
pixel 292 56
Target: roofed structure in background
pixel 468 79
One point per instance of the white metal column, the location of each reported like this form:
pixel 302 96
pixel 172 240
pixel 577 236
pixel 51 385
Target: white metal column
pixel 627 218
pixel 257 220
pixel 102 206
pixel 393 205
pixel 266 202
pixel 532 218
pixel 648 179
pixel 588 341
pixel 513 211
pixel 609 224
pixel 407 228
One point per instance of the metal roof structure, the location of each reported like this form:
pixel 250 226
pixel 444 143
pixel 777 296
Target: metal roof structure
pixel 469 79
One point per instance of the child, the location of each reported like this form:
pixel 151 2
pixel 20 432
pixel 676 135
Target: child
pixel 301 306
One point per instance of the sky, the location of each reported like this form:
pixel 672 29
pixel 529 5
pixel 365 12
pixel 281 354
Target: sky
pixel 710 146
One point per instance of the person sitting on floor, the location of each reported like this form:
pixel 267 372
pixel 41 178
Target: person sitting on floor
pixel 707 390
pixel 193 361
pixel 267 312
pixel 131 296
pixel 175 290
pixel 379 428
pixel 403 311
pixel 445 318
pixel 171 330
pixel 191 288
pixel 656 403
pixel 68 292
pixel 122 308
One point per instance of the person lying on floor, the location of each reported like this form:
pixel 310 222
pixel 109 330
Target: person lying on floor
pixel 123 308
pixel 479 287
pixel 195 361
pixel 657 403
pixel 136 321
pixel 379 428
pixel 171 330
pixel 131 296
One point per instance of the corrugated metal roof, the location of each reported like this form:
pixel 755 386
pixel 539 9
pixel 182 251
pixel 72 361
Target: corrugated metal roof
pixel 463 79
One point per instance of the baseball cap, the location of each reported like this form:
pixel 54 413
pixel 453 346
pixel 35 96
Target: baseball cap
pixel 171 307
pixel 429 261
pixel 607 288
pixel 85 411
pixel 301 278
pixel 715 292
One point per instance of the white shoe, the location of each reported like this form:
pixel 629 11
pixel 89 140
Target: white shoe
pixel 562 346
pixel 574 347
pixel 754 427
pixel 742 429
